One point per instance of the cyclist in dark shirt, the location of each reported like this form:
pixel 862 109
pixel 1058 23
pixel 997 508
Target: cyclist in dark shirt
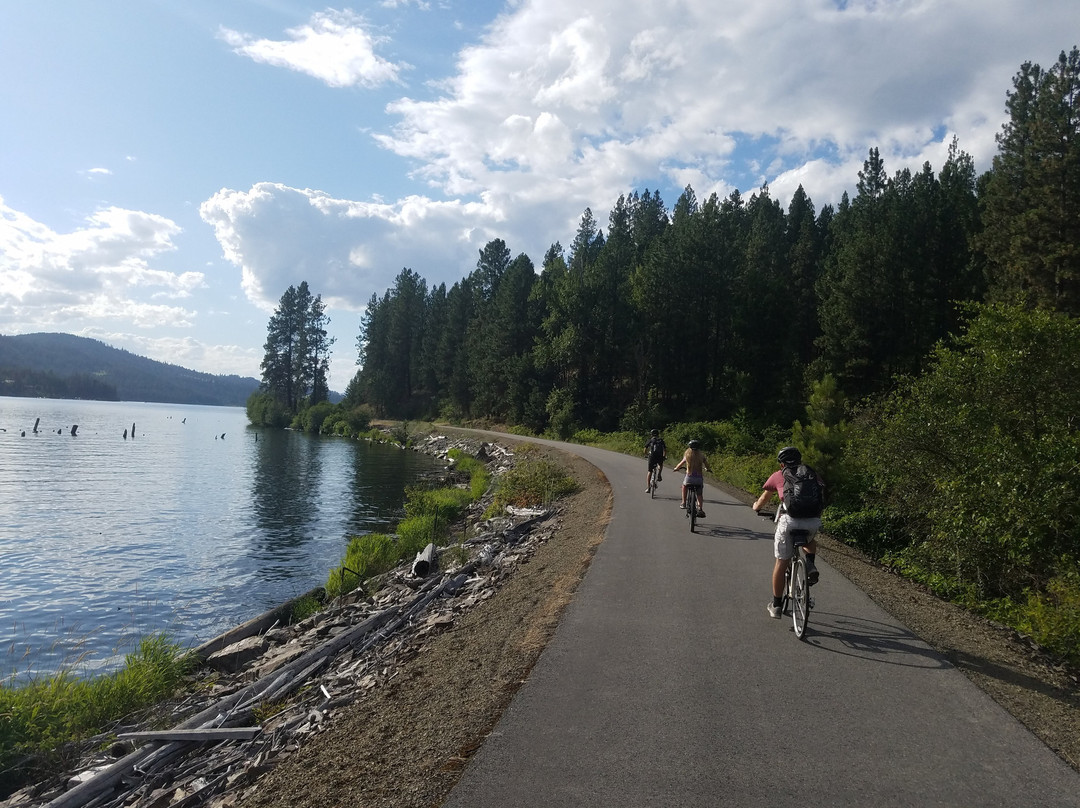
pixel 656 451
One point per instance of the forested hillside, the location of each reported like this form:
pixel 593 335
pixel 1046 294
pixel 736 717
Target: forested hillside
pixel 66 366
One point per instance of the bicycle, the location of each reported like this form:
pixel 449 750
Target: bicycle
pixel 654 478
pixel 692 512
pixel 796 585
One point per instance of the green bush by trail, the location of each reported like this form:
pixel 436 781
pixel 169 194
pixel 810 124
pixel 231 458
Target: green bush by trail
pixel 978 456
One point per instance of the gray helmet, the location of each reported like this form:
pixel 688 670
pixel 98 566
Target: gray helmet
pixel 655 433
pixel 695 444
pixel 789 456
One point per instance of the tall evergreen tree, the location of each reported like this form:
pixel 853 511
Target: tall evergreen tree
pixel 1031 206
pixel 296 356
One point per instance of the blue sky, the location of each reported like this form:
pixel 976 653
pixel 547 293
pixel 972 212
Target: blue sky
pixel 169 167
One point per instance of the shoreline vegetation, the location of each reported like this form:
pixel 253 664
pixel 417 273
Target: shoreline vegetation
pixel 47 722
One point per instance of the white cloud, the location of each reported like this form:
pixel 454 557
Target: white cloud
pixel 334 47
pixel 345 250
pixel 641 93
pixel 100 272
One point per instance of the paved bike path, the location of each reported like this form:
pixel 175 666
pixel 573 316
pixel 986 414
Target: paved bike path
pixel 666 684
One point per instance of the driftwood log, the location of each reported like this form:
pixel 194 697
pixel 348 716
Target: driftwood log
pixel 425 562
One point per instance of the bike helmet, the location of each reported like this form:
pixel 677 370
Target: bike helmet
pixel 695 444
pixel 655 433
pixel 789 456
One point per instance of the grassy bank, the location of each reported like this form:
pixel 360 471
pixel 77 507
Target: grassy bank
pixel 432 513
pixel 44 722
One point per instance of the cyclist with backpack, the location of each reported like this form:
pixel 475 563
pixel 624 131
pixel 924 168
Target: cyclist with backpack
pixel 656 451
pixel 802 499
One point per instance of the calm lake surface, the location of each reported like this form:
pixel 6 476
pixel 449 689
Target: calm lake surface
pixel 191 524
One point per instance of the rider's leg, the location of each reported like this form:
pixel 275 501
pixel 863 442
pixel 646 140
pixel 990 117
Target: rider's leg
pixel 778 571
pixel 812 573
pixel 782 553
pixel 683 496
pixel 701 500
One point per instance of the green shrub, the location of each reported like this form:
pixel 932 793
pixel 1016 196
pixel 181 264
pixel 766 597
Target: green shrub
pixel 416 532
pixel 625 442
pixel 532 482
pixel 311 418
pixel 365 556
pixel 264 410
pixel 587 436
pixel 302 608
pixel 876 532
pixel 479 476
pixel 445 503
pixel 746 472
pixel 979 454
pixel 1052 617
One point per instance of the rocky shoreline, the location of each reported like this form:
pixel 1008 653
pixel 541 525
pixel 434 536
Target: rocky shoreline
pixel 264 687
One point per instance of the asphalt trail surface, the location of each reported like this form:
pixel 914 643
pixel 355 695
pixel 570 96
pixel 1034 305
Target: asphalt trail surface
pixel 666 684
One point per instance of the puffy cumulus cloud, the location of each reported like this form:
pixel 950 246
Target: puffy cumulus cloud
pixel 346 250
pixel 102 271
pixel 334 47
pixel 576 103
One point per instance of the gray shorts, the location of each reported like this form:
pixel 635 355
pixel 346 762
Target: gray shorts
pixel 782 546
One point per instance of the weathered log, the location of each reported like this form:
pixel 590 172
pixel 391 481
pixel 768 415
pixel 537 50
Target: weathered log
pixel 218 734
pixel 256 625
pixel 425 560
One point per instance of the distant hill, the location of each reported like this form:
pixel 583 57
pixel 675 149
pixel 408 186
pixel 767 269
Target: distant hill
pixel 63 365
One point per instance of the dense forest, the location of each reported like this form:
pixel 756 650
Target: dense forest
pixel 66 366
pixel 728 306
pixel 919 341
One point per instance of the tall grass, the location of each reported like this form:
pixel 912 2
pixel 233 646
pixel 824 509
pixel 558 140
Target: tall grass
pixel 42 720
pixel 532 482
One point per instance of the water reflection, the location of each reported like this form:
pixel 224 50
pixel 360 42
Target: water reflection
pixel 285 489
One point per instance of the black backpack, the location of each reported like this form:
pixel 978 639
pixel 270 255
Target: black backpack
pixel 657 448
pixel 803 496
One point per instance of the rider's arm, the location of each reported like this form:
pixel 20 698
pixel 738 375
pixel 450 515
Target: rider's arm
pixel 765 496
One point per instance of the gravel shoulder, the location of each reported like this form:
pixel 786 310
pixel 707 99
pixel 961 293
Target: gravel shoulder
pixel 407 742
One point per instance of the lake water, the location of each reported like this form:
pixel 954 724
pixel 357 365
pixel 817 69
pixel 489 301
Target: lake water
pixel 192 523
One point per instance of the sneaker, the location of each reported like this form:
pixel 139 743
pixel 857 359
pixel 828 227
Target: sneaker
pixel 682 506
pixel 701 514
pixel 774 611
pixel 659 477
pixel 812 574
pixel 648 490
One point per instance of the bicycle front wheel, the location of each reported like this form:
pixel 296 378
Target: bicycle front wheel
pixel 800 596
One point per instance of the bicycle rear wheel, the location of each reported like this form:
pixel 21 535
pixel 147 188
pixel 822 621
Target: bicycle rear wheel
pixel 652 483
pixel 800 596
pixel 691 505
